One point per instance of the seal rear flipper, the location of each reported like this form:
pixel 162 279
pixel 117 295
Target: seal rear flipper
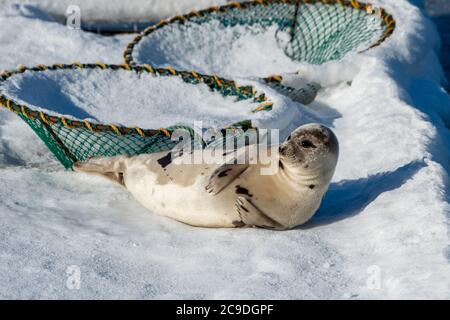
pixel 253 217
pixel 223 176
pixel 110 168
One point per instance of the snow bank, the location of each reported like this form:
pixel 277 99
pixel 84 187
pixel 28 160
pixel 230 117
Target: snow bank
pixel 381 231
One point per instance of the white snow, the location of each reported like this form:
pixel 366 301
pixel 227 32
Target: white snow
pixel 29 36
pixel 119 11
pixel 381 232
pixel 213 49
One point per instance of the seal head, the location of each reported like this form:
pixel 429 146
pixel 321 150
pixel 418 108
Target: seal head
pixel 311 148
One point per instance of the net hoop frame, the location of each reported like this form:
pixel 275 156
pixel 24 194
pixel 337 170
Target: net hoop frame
pixel 212 81
pixel 387 20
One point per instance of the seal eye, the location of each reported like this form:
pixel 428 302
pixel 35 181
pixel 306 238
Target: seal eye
pixel 288 138
pixel 307 144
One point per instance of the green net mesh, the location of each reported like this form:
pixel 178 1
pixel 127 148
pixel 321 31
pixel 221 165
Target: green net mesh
pixel 312 31
pixel 319 30
pixel 77 140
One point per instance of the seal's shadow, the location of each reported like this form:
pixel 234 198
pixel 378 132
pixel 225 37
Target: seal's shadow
pixel 348 198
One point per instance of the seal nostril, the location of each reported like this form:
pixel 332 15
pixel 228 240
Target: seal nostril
pixel 282 149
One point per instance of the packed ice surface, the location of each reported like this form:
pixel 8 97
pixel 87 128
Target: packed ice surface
pixel 381 231
pixel 131 99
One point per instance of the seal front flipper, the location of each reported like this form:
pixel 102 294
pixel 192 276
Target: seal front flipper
pixel 223 176
pixel 253 217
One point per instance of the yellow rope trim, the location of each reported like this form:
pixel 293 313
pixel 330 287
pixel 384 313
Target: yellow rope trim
pixel 5 74
pixel 8 105
pixel 101 64
pixel 115 129
pixel 145 32
pixel 24 112
pixel 276 78
pixel 139 131
pixel 88 125
pixel 66 124
pixel 196 76
pixel 178 18
pixel 264 106
pixel 171 70
pixel 44 119
pixel 161 23
pixel 164 131
pixel 355 4
pixel 148 68
pixel 217 80
pixel 235 5
pixel 21 68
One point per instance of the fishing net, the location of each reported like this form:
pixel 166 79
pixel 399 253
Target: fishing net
pixel 72 140
pixel 234 39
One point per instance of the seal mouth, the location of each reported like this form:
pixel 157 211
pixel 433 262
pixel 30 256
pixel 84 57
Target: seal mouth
pixel 288 153
pixel 285 151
